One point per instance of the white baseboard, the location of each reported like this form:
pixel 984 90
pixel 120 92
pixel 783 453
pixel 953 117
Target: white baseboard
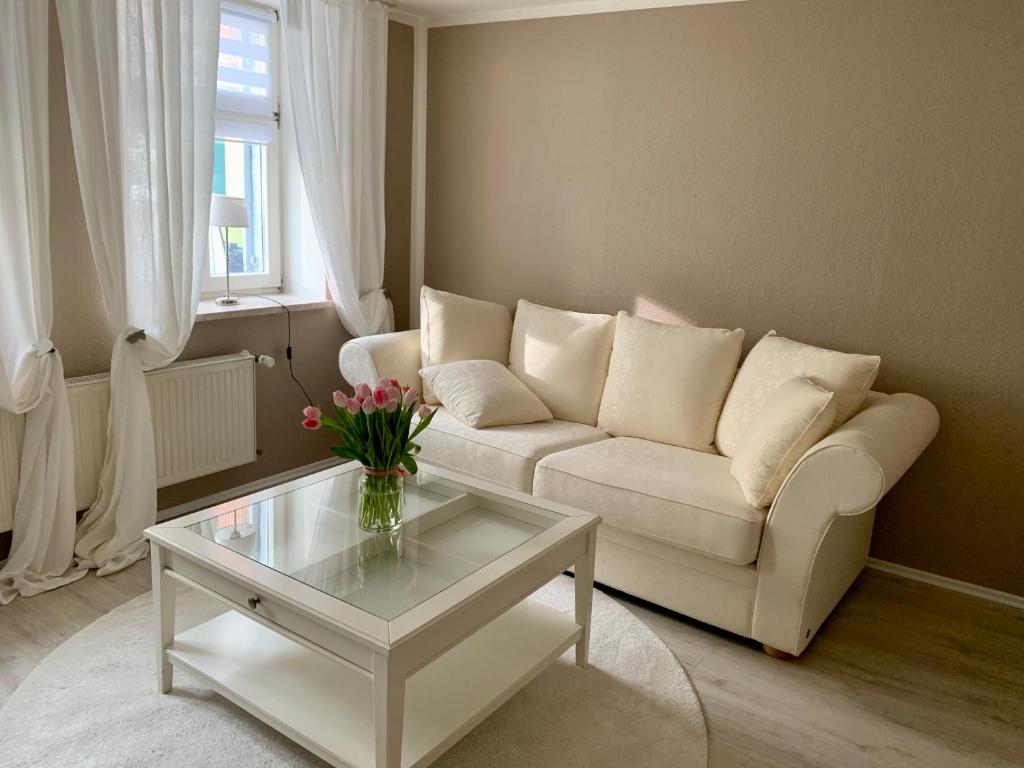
pixel 964 587
pixel 244 490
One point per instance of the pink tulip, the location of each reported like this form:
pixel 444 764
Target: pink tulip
pixel 394 383
pixel 353 406
pixel 383 383
pixel 394 393
pixel 311 412
pixel 363 391
pixel 390 406
pixel 369 407
pixel 410 398
pixel 424 411
pixel 340 398
pixel 311 423
pixel 380 397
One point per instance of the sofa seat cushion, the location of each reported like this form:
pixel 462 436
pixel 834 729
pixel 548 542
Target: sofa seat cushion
pixel 505 455
pixel 681 497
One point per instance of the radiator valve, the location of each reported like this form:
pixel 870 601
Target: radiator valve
pixel 266 361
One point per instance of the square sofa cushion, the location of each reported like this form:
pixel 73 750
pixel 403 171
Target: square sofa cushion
pixel 483 393
pixel 563 357
pixel 666 383
pixel 454 328
pixel 793 418
pixel 775 359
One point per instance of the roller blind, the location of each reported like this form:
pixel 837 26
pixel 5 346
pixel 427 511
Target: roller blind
pixel 246 102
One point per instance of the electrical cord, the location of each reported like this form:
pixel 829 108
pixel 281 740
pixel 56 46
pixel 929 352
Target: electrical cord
pixel 288 349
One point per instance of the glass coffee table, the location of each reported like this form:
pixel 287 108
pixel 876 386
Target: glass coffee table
pixel 373 650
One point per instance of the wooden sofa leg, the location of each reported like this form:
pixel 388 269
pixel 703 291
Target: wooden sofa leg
pixel 775 653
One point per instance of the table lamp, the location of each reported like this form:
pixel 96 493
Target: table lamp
pixel 225 213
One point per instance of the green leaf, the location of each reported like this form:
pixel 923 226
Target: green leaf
pixel 327 421
pixel 410 464
pixel 424 423
pixel 343 452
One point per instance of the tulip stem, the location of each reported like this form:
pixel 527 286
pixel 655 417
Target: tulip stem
pixel 380 501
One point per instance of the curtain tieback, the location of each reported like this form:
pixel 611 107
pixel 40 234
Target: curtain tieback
pixel 43 347
pixel 134 335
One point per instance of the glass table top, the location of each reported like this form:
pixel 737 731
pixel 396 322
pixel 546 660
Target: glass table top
pixel 311 534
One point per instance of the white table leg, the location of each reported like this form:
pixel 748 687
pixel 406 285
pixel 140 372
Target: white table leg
pixel 388 711
pixel 584 576
pixel 163 612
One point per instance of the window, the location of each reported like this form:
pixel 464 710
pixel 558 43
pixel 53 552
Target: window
pixel 245 153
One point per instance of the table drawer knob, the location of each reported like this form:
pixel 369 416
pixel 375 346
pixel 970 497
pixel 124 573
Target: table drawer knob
pixel 253 602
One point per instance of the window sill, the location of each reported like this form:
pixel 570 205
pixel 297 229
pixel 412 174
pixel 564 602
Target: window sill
pixel 251 306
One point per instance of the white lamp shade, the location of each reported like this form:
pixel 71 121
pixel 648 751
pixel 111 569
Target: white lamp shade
pixel 228 212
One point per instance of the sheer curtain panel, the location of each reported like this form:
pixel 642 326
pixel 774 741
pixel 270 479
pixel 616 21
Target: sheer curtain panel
pixel 141 80
pixel 336 69
pixel 31 372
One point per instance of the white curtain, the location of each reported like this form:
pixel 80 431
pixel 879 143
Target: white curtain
pixel 142 80
pixel 31 372
pixel 336 64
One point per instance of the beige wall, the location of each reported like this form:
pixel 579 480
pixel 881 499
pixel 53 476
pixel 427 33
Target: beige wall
pixel 848 172
pixel 83 335
pixel 398 170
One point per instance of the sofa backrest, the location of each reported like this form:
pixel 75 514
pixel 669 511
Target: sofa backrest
pixel 563 357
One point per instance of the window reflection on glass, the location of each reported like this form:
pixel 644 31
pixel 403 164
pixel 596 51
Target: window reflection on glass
pixel 247 530
pixel 240 170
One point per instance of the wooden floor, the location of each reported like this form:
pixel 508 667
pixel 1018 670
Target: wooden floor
pixel 903 674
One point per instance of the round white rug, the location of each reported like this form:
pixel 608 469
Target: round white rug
pixel 92 703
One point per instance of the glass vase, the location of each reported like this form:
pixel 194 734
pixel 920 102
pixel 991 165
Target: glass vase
pixel 381 499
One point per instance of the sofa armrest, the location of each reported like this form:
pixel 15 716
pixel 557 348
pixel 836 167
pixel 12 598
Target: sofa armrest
pixel 818 531
pixel 370 358
pixel 890 430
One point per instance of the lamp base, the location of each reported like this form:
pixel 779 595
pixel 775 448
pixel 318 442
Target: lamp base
pixel 235 532
pixel 226 301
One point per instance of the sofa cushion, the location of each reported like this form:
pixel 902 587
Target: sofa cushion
pixel 675 495
pixel 563 357
pixel 454 327
pixel 667 383
pixel 504 455
pixel 775 359
pixel 483 393
pixel 793 418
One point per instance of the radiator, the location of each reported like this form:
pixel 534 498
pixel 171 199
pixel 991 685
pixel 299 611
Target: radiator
pixel 11 429
pixel 203 422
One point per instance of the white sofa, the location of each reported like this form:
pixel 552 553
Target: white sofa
pixel 676 528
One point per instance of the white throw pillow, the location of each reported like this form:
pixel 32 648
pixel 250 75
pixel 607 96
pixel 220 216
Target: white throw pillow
pixel 483 393
pixel 563 357
pixel 667 382
pixel 793 418
pixel 454 328
pixel 775 359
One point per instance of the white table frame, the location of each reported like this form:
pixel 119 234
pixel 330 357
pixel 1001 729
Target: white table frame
pixel 386 652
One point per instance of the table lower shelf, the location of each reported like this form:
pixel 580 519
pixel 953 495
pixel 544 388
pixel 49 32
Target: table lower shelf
pixel 328 707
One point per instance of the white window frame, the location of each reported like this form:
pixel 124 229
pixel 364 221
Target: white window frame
pixel 272 280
